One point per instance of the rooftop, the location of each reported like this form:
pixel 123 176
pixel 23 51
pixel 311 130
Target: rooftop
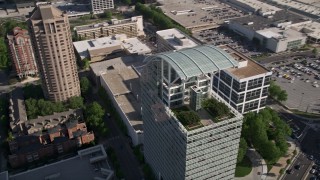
pixel 46 12
pixel 280 34
pixel 107 45
pixel 135 46
pixel 251 68
pixel 199 14
pixel 259 5
pixel 307 6
pixel 177 39
pixel 107 23
pixel 100 68
pixel 256 22
pixel 198 60
pixel 312 29
pixel 50 121
pixel 90 163
pixel 124 83
pixel 18 114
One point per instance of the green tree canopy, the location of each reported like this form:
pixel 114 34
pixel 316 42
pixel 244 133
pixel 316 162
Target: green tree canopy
pixel 75 102
pixel 85 85
pixel 243 146
pixel 94 113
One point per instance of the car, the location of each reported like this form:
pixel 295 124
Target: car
pixel 311 157
pixel 297 167
pixel 314 167
pixel 313 171
pixel 289 171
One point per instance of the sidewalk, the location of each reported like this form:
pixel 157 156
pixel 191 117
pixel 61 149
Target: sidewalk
pixel 259 167
pixel 274 173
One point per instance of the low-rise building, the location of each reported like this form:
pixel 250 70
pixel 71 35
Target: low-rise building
pixel 89 163
pixel 49 135
pixel 99 6
pixel 21 53
pixel 109 47
pixel 272 32
pixel 132 27
pixel 246 87
pixel 17 111
pixel 311 29
pixel 173 39
pixel 254 6
pixel 278 40
pixel 121 82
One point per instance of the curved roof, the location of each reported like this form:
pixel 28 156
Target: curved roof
pixel 197 60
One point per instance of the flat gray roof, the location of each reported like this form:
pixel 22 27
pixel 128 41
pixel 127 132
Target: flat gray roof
pixel 259 22
pixel 198 60
pixel 78 167
pixel 124 83
pixel 4 175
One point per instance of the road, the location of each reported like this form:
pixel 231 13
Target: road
pixel 309 144
pixel 284 55
pixel 304 163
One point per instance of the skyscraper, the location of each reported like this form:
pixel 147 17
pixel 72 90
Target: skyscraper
pixel 51 37
pixel 21 52
pixel 182 139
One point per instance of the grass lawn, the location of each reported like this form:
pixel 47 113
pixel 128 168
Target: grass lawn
pixel 244 168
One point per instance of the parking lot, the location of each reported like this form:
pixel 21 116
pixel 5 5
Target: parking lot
pixel 223 36
pixel 300 77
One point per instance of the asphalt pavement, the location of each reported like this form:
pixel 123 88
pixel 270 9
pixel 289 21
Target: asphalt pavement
pixel 296 174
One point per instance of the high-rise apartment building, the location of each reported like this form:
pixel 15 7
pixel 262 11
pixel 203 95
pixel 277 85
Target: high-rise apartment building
pixel 21 52
pixel 51 36
pixel 180 81
pixel 99 6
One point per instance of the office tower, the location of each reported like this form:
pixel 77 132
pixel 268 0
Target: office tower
pixel 246 87
pixel 99 6
pixel 21 53
pixel 51 36
pixel 174 85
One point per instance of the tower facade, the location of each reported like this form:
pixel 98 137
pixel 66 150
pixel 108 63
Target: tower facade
pixel 172 84
pixel 51 37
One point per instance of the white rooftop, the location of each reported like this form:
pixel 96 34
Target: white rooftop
pixel 312 29
pixel 132 45
pixel 308 6
pixel 278 33
pixel 177 39
pixel 258 5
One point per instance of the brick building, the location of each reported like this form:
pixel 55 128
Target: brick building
pixel 52 139
pixel 21 53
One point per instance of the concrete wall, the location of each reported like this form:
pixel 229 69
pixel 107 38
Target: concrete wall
pixel 243 31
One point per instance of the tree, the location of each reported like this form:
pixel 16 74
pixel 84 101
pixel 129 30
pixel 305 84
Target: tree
pixel 288 161
pixel 75 102
pixel 85 63
pixel 84 85
pixel 107 14
pixel 94 113
pixel 188 117
pixel 243 146
pixel 282 96
pixel 270 152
